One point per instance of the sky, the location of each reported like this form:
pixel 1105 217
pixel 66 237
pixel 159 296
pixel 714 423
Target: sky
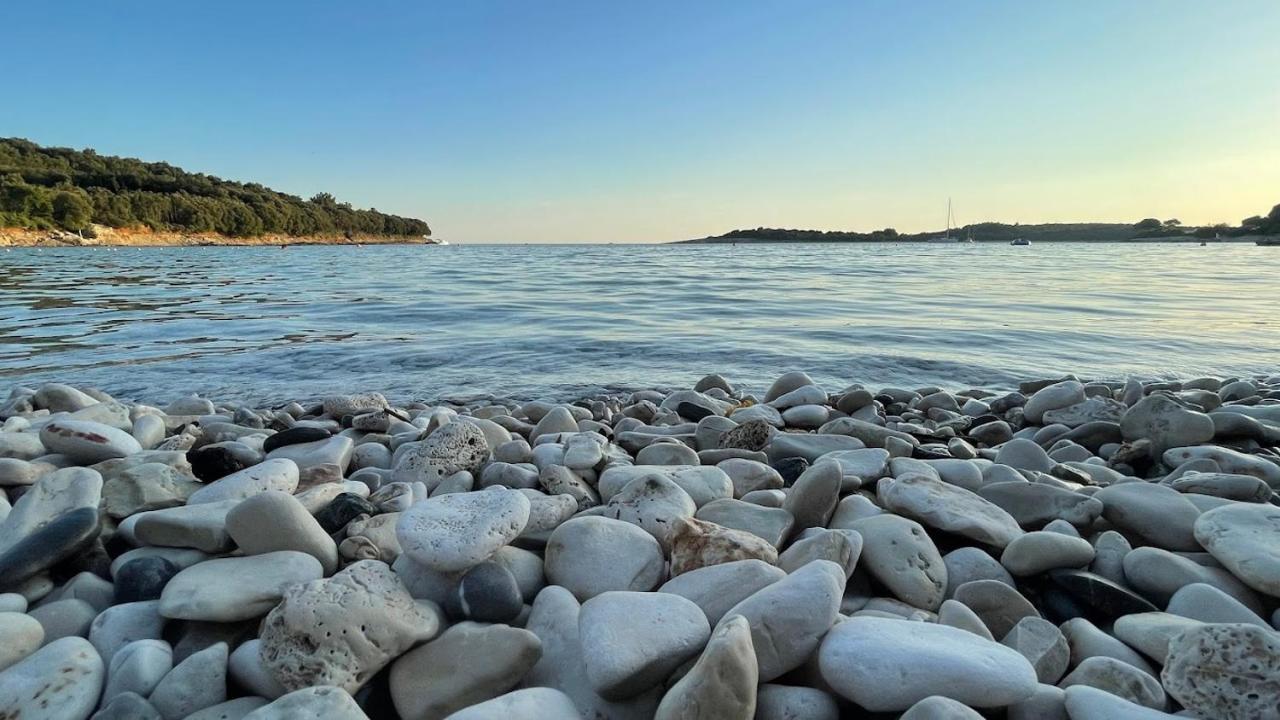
pixel 649 122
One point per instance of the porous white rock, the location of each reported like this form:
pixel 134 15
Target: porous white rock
pixel 453 532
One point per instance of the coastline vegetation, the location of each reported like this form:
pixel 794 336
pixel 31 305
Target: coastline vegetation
pixel 47 188
pixel 1147 229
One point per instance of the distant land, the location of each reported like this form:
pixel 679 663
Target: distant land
pixel 1148 230
pixel 61 196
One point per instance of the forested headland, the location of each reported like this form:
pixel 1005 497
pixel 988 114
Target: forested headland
pixel 49 188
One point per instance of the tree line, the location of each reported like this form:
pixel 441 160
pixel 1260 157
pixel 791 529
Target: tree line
pixel 61 188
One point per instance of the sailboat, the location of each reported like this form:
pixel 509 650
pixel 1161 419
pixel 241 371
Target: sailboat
pixel 946 237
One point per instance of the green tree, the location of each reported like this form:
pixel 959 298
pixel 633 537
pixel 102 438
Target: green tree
pixel 1148 224
pixel 72 210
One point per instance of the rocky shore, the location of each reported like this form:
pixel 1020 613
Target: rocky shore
pixel 102 236
pixel 1087 550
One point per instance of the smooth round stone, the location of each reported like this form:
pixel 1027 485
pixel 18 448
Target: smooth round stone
pixel 966 564
pixel 454 532
pixel 1245 538
pixel 330 703
pixel 717 588
pixel 337 406
pixel 1158 574
pixel 273 521
pixel 667 453
pixel 591 555
pixel 1117 678
pixel 999 606
pixel 1035 504
pixel 202 527
pixel 196 683
pixel 64 618
pixel 786 383
pixel 127 706
pixel 888 665
pixel 293 436
pixel 949 508
pixel 534 703
pixel 899 554
pixel 1024 454
pixel 1151 632
pixel 21 446
pixel 958 615
pixel 1036 552
pixel 813 498
pixel 653 503
pixel 280 474
pixel 791 702
pixel 936 707
pixel 702 484
pixel 810 447
pixel 22 635
pixel 789 617
pixel 466 665
pixel 1225 671
pixel 236 588
pixel 1043 645
pixel 59 681
pixel 16 473
pixel 1245 488
pixel 487 593
pixel 343 630
pixel 1054 397
pixel 120 624
pixel 632 641
pixel 86 443
pixel 341 510
pixel 138 668
pixel 334 452
pixel 1086 640
pixel 1157 513
pixel 1166 424
pixel 142 579
pixel 1089 703
pixel 1207 603
pixel 12 602
pixel 219 460
pixel 749 476
pixel 724 677
pixel 1228 460
pixel 843 547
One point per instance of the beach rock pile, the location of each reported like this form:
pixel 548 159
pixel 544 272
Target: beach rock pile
pixel 1071 549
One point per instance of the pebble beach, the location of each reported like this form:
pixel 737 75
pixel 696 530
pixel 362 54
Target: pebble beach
pixel 1078 548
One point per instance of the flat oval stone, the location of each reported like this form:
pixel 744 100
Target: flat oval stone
pixel 1245 538
pixel 1157 513
pixel 60 680
pixel 950 508
pixel 457 531
pixel 902 557
pixel 888 665
pixel 52 543
pixel 486 593
pixel 236 588
pixel 293 436
pixel 142 579
pixel 87 442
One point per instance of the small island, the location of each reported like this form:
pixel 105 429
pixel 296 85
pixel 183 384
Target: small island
pixel 63 197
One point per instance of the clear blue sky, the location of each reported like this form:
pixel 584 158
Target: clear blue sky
pixel 581 121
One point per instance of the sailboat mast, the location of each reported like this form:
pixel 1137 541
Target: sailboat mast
pixel 948 233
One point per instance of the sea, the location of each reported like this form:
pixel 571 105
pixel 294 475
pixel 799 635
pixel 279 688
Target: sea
pixel 466 322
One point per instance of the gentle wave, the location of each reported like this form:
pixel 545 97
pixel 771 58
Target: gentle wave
pixel 563 321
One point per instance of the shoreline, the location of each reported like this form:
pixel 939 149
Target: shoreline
pixel 1106 547
pixel 125 237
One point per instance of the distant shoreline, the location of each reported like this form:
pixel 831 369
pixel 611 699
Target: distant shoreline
pixel 919 241
pixel 128 237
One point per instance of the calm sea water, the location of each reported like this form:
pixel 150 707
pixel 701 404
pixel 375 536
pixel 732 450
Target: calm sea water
pixel 562 321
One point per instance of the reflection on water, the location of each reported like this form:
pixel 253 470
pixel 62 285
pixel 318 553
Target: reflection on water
pixel 428 322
